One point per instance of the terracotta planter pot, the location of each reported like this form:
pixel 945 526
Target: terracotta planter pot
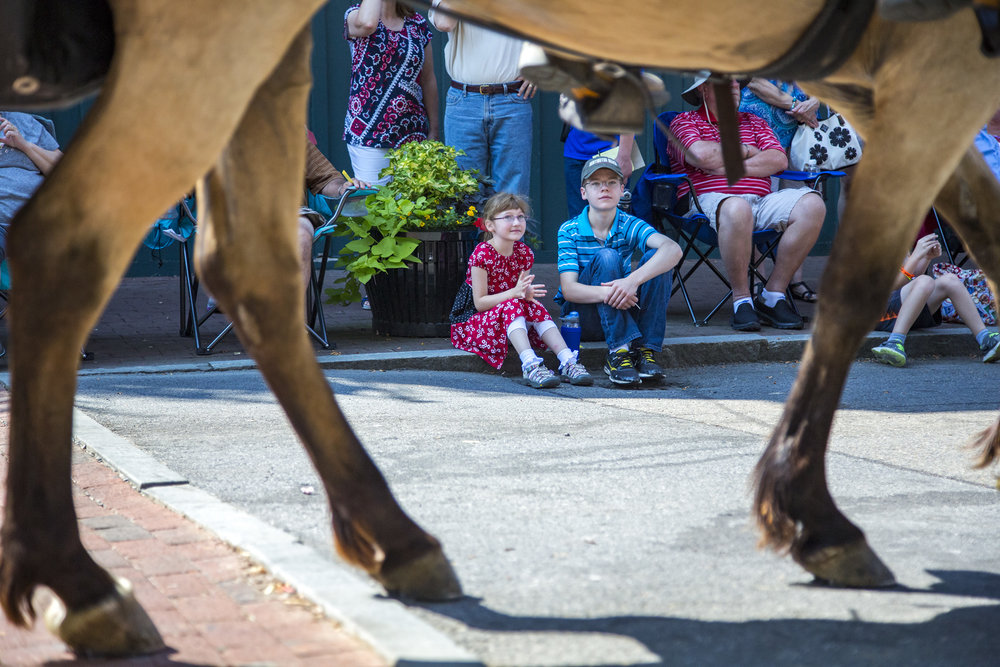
pixel 416 301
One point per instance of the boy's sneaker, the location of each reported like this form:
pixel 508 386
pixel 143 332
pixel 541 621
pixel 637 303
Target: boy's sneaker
pixel 575 374
pixel 540 377
pixel 781 316
pixel 645 364
pixel 620 369
pixel 745 318
pixel 890 352
pixel 991 346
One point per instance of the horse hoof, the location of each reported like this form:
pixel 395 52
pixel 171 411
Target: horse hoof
pixel 429 578
pixel 115 626
pixel 852 565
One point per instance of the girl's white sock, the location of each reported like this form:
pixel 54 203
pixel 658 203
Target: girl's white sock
pixel 528 358
pixel 566 356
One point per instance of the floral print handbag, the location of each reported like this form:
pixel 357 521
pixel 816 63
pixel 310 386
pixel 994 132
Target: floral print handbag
pixel 975 282
pixel 833 144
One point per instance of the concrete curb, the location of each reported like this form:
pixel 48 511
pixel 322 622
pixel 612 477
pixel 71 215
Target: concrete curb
pixel 360 606
pixel 678 352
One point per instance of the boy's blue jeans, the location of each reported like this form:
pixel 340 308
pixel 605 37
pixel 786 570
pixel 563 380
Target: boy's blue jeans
pixel 644 323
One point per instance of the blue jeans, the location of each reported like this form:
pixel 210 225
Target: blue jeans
pixel 572 170
pixel 644 323
pixel 495 133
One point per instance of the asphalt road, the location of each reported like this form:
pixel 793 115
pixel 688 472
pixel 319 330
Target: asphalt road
pixel 599 526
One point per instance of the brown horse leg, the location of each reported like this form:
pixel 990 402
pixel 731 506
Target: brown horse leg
pixel 793 505
pixel 139 150
pixel 248 259
pixel 970 201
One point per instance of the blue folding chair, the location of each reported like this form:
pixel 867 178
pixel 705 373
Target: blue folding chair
pixel 655 200
pixel 349 205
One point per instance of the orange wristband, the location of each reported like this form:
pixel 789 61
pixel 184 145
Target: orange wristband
pixel 909 276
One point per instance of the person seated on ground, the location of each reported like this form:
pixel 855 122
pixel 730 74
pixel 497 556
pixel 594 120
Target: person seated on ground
pixel 28 151
pixel 736 211
pixel 625 308
pixel 915 303
pixel 322 178
pixel 499 301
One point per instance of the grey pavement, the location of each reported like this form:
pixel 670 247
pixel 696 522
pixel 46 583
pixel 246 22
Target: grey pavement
pixel 574 549
pixel 595 526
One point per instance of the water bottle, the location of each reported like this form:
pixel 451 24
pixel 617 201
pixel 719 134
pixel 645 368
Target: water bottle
pixel 810 167
pixel 570 330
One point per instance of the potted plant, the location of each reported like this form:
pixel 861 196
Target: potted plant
pixel 410 248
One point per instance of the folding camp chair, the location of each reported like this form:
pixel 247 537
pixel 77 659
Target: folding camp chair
pixel 351 203
pixel 656 201
pixel 180 225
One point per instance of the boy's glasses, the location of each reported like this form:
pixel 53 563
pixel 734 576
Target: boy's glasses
pixel 610 185
pixel 511 218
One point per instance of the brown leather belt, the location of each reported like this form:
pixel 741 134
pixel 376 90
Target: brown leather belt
pixel 488 88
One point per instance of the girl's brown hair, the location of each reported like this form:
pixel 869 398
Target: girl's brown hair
pixel 404 11
pixel 505 201
pixel 500 202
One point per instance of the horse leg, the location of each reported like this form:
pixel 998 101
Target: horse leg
pixel 139 150
pixel 793 505
pixel 970 201
pixel 247 255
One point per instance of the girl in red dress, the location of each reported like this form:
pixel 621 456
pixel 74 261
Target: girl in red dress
pixel 499 301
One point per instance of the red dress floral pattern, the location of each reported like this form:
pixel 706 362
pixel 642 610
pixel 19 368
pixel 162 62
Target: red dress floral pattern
pixel 385 108
pixel 485 333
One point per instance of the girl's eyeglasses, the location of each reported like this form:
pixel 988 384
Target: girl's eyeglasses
pixel 511 218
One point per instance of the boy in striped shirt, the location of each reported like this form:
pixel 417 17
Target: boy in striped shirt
pixel 624 307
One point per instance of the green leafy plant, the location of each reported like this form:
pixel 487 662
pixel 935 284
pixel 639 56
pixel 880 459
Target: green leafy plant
pixel 428 192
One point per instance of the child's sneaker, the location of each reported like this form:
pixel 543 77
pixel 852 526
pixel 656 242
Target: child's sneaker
pixel 540 377
pixel 991 346
pixel 890 352
pixel 575 374
pixel 620 368
pixel 645 364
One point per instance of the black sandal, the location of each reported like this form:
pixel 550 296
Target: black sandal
pixel 803 292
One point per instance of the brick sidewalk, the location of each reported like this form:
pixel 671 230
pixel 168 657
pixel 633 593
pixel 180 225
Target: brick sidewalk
pixel 212 604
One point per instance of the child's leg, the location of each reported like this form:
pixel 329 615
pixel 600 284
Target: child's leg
pixel 550 335
pixel 950 286
pixel 914 297
pixel 517 334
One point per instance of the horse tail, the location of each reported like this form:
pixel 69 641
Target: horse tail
pixel 987 444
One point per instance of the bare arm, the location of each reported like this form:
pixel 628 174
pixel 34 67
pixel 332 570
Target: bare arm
pixel 770 93
pixel 441 20
pixel 524 289
pixel 363 21
pixel 927 248
pixel 43 158
pixel 624 159
pixel 624 292
pixel 428 81
pixel 707 156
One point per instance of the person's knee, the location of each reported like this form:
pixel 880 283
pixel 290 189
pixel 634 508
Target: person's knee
pixel 810 210
pixel 922 285
pixel 607 261
pixel 734 212
pixel 949 283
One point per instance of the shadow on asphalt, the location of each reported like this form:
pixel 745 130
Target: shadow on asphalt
pixel 960 636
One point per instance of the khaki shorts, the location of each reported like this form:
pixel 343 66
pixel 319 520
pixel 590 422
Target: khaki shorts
pixel 769 212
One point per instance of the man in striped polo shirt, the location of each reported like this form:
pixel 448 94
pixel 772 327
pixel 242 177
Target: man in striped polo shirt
pixel 737 210
pixel 625 308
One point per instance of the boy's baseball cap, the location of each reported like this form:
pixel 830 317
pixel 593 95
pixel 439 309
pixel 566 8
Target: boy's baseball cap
pixel 599 162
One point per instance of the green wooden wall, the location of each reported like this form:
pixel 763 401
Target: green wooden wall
pixel 331 74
